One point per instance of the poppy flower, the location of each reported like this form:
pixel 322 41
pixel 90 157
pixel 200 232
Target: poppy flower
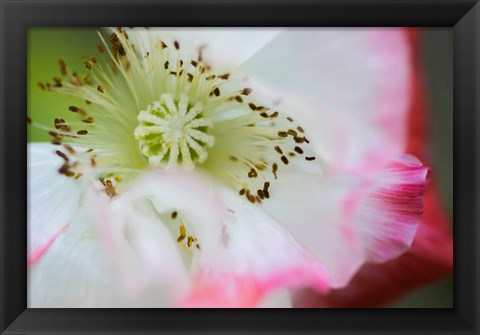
pixel 223 168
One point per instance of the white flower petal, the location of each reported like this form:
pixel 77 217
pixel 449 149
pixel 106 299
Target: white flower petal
pixel 53 199
pixel 75 273
pixel 349 88
pixel 138 246
pixel 243 255
pixel 231 45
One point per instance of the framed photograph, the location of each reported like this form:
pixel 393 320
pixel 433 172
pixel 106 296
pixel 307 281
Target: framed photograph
pixel 167 167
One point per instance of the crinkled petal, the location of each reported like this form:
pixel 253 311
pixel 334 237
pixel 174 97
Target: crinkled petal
pixel 387 219
pixel 53 199
pixel 348 88
pixel 429 259
pixel 347 221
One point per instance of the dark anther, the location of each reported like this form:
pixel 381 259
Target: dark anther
pixel 266 185
pixel 260 194
pixel 275 169
pixel 82 132
pixel 278 149
pixel 282 134
pixel 73 109
pixel 176 44
pixel 310 158
pixel 299 139
pixel 63 67
pixel 58 123
pixel 117 45
pixel 61 154
pixel 174 215
pixel 298 150
pixel 100 48
pixel 246 91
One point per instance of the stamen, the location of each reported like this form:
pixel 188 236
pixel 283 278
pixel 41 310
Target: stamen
pixel 298 150
pixel 183 233
pixel 180 113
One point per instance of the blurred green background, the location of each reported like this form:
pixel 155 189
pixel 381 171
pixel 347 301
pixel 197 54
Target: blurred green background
pixel 47 45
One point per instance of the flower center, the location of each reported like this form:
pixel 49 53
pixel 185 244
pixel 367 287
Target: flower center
pixel 155 105
pixel 174 132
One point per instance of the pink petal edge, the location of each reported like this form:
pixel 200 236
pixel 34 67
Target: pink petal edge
pixel 39 251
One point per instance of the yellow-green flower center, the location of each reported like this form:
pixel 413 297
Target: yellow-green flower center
pixel 149 104
pixel 174 132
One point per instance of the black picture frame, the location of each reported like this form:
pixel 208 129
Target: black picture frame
pixel 16 16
